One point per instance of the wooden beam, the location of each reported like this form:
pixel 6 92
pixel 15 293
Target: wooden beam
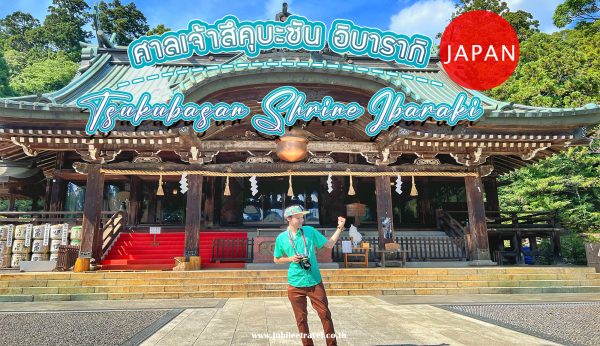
pixel 477 222
pixel 91 240
pixel 238 167
pixel 202 145
pixel 385 218
pixel 193 214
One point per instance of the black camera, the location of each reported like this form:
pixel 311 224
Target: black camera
pixel 305 262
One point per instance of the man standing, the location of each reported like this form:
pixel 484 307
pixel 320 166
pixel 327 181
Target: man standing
pixel 296 246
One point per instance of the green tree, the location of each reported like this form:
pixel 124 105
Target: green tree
pixel 17 60
pixel 582 12
pixel 158 30
pixel 64 26
pixel 568 182
pixel 557 70
pixel 126 21
pixel 521 21
pixel 462 6
pixel 45 76
pixel 14 28
pixel 5 89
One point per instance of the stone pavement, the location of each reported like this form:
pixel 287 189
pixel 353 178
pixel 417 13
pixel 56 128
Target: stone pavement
pixel 360 320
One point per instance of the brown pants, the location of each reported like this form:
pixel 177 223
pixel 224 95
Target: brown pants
pixel 318 299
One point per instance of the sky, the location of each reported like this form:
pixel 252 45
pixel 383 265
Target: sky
pixel 427 17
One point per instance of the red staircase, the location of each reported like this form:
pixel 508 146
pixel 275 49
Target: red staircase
pixel 136 251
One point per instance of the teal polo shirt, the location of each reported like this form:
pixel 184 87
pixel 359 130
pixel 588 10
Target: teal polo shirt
pixel 297 276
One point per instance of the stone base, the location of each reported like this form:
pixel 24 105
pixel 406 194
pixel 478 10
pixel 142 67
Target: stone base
pixel 37 266
pixel 482 263
pixel 182 265
pixel 263 266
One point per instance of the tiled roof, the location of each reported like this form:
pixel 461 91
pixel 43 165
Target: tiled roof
pixel 111 69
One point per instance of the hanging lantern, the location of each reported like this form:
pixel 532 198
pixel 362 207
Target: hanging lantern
pixel 227 192
pixel 291 147
pixel 290 189
pixel 413 190
pixel 160 191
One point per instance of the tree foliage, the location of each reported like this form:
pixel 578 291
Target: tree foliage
pixel 158 30
pixel 568 182
pixel 45 75
pixel 582 12
pixel 126 21
pixel 64 26
pixel 14 30
pixel 5 89
pixel 521 21
pixel 557 70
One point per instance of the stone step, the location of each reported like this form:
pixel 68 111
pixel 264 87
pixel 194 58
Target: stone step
pixel 325 272
pixel 283 286
pixel 39 282
pixel 44 282
pixel 267 283
pixel 283 293
pixel 31 279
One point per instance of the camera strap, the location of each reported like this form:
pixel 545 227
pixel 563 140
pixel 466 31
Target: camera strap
pixel 292 242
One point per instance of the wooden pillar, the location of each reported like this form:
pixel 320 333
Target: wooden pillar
pixel 193 214
pixel 491 194
pixel 48 194
pixel 331 204
pixel 11 202
pixel 477 223
pixel 91 239
pixel 57 195
pixel 209 203
pixel 556 248
pixel 152 204
pixel 134 201
pixel 427 212
pixel 385 219
pixel 519 247
pixel 57 185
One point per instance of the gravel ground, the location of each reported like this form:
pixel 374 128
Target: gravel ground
pixel 565 323
pixel 79 328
